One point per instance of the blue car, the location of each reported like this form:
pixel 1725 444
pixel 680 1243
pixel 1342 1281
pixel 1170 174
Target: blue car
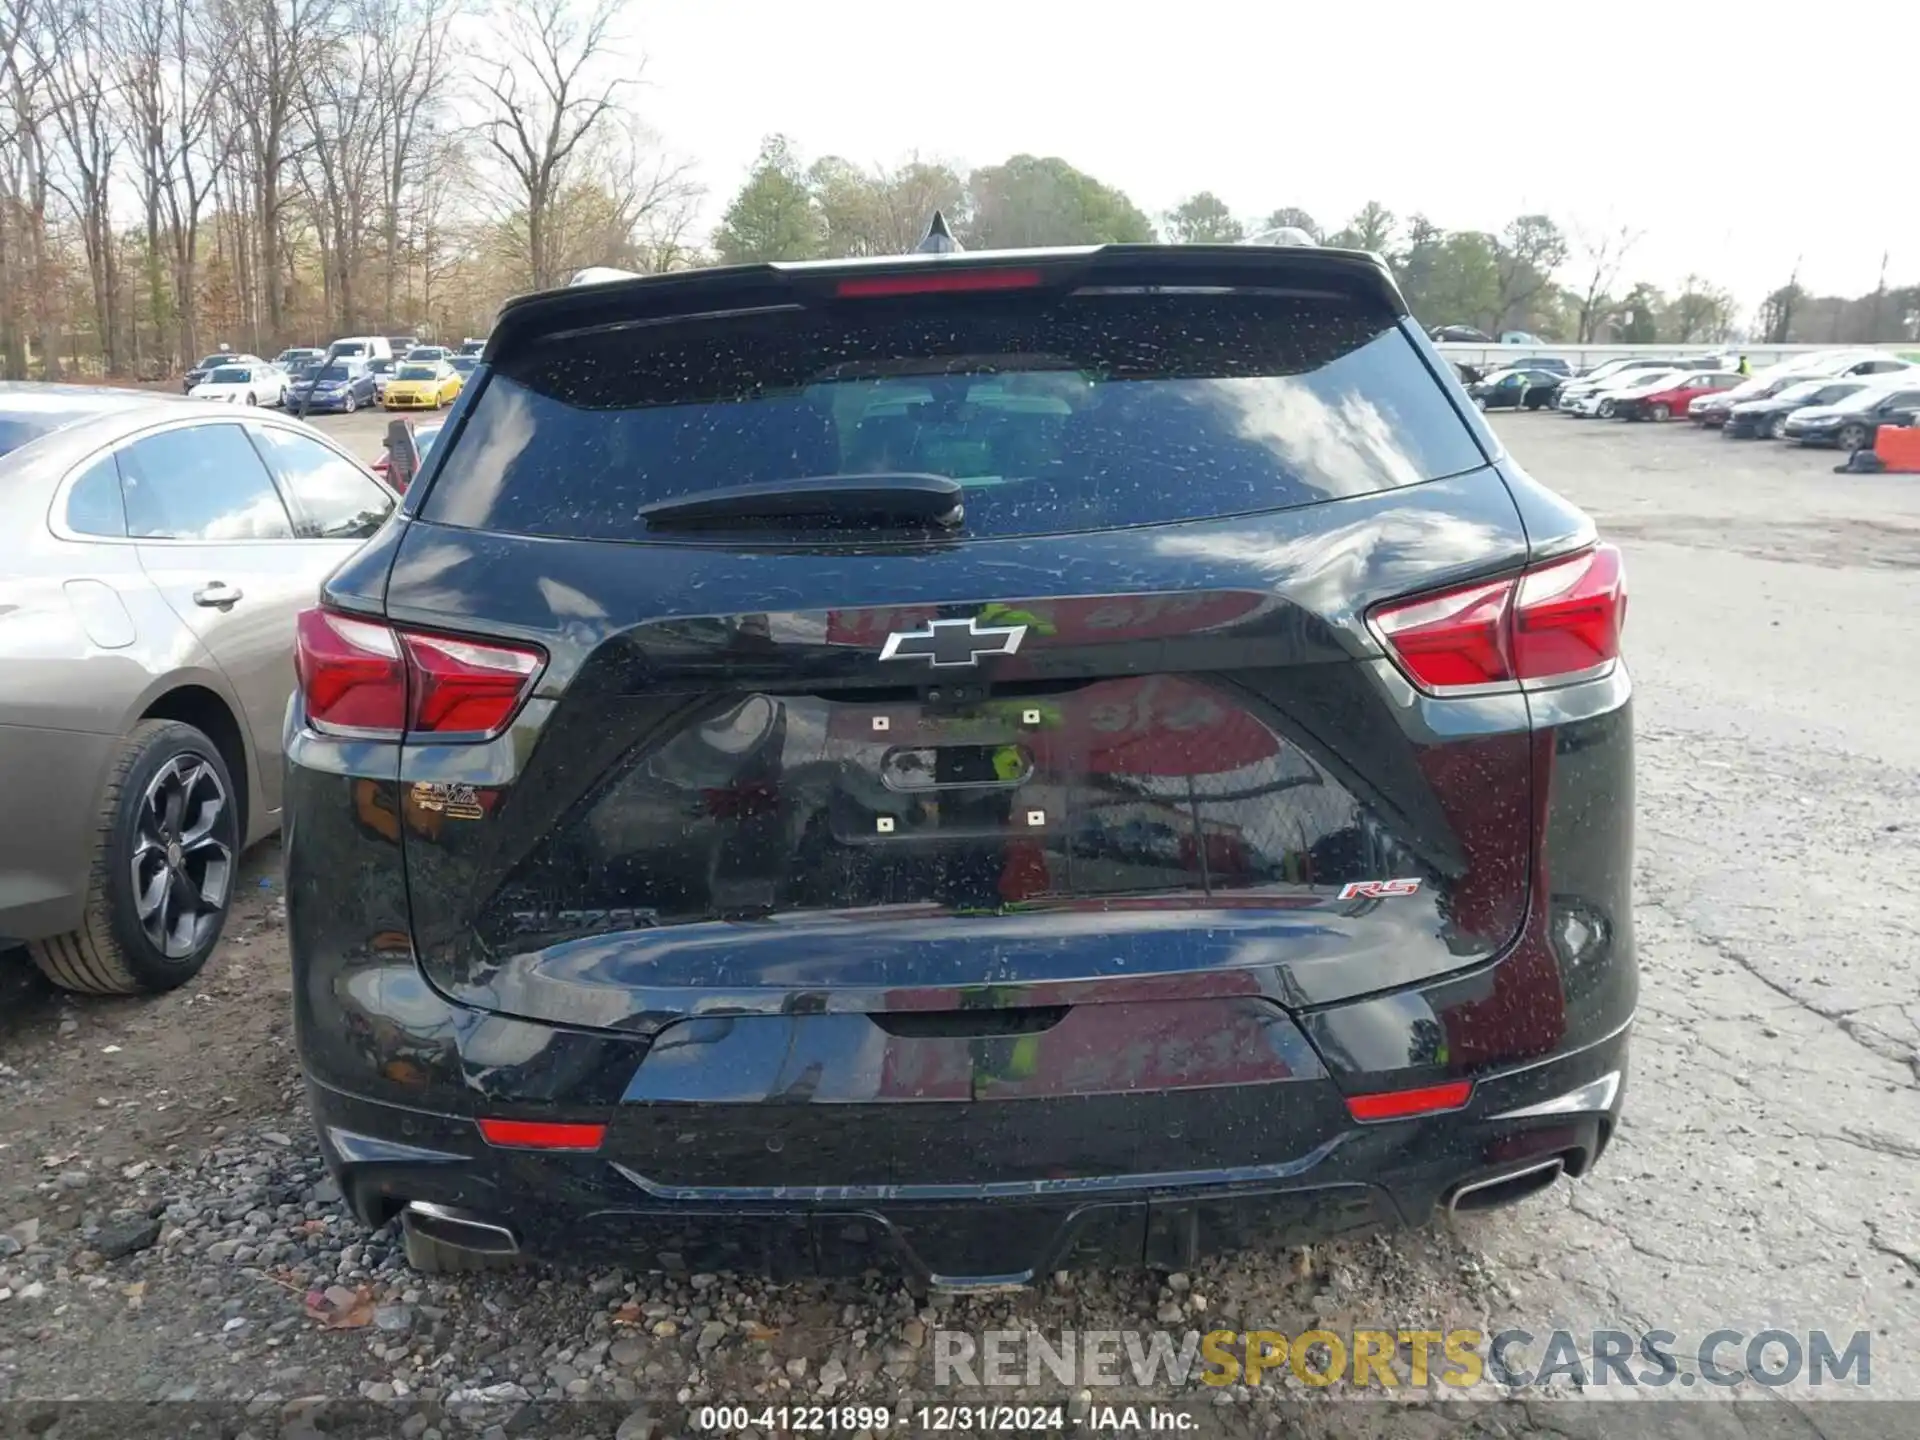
pixel 341 384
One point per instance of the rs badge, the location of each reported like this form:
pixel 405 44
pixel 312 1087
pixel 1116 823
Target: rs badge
pixel 1378 889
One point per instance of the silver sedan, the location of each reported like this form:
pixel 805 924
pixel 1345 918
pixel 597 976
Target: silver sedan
pixel 157 551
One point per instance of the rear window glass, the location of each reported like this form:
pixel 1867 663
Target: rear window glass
pixel 1090 412
pixel 18 430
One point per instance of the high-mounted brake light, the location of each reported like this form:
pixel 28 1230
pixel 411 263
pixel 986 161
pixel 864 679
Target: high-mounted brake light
pixel 542 1134
pixel 1554 624
pixel 362 678
pixel 936 282
pixel 1406 1104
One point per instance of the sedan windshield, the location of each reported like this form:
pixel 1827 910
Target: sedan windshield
pixel 1865 398
pixel 418 372
pixel 231 375
pixel 1816 392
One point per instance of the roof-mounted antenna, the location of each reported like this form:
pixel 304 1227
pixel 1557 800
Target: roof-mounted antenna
pixel 939 239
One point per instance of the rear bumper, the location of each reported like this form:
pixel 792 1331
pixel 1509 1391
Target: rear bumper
pixel 1354 1179
pixel 54 776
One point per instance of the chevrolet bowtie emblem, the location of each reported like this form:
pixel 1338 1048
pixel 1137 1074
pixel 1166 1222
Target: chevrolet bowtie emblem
pixel 953 644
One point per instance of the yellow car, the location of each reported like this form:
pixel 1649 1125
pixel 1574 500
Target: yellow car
pixel 422 385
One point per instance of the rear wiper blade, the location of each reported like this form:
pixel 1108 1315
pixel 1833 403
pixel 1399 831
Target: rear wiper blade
pixel 892 498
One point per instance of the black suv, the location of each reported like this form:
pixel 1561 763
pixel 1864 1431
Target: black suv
pixel 979 763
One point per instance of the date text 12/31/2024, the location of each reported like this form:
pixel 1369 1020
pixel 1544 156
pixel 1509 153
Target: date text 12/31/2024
pixel 936 1419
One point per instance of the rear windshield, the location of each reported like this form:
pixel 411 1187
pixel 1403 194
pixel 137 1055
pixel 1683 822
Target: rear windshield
pixel 1091 412
pixel 19 430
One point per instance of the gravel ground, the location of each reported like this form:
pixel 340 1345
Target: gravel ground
pixel 166 1231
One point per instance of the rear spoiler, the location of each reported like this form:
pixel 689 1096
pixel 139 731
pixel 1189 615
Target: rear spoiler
pixel 609 300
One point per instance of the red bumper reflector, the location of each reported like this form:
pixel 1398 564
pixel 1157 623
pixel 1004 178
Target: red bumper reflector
pixel 937 282
pixel 1403 1104
pixel 542 1134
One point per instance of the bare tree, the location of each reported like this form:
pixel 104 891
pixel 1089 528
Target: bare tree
pixel 197 151
pixel 548 98
pixel 412 50
pixel 1603 251
pixel 24 185
pixel 266 48
pixel 139 33
pixel 84 106
pixel 340 100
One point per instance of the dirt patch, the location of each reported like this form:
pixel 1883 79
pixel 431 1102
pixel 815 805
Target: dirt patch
pixel 89 1087
pixel 1837 544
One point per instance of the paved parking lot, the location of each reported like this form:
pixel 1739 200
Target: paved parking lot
pixel 1764 1175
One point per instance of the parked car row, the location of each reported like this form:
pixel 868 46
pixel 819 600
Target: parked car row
pixel 426 378
pixel 1838 397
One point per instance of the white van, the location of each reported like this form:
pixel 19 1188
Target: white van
pixel 363 347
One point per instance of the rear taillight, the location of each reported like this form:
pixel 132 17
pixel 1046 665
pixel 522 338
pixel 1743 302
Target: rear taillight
pixel 1405 1104
pixel 1556 623
pixel 937 282
pixel 364 678
pixel 542 1134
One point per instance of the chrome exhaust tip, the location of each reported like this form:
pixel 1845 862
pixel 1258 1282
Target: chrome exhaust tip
pixel 458 1227
pixel 1499 1190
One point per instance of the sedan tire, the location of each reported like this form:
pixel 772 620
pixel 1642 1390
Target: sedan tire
pixel 349 405
pixel 163 869
pixel 1854 437
pixel 1660 414
pixel 1606 410
pixel 1776 427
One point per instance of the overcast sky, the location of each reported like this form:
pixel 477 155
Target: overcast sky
pixel 1435 107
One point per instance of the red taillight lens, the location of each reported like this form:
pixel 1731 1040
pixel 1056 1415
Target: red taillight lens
pixel 361 677
pixel 461 687
pixel 542 1134
pixel 1453 640
pixel 1405 1104
pixel 351 675
pixel 1556 623
pixel 1567 616
pixel 936 282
